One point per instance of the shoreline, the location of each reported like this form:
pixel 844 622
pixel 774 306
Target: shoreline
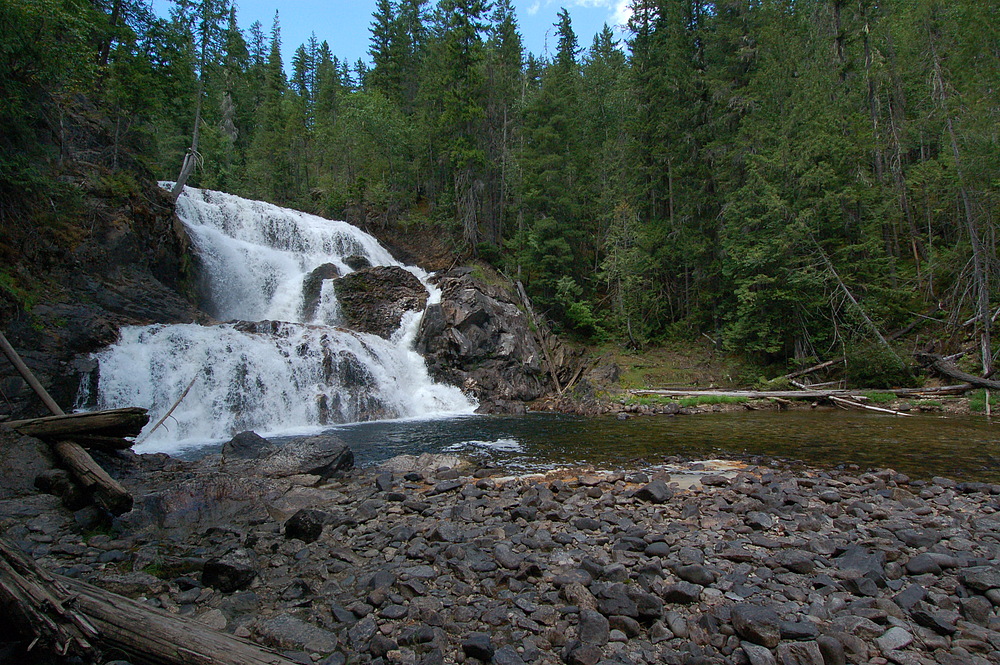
pixel 435 563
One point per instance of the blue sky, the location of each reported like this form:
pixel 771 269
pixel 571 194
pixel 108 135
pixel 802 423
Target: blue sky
pixel 345 23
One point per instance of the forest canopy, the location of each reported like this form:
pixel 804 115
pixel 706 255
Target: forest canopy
pixel 793 179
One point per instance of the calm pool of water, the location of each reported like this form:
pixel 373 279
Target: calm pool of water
pixel 960 447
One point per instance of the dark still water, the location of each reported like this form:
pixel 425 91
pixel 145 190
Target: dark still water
pixel 961 447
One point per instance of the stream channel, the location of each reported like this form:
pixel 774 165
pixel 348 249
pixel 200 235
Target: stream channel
pixel 922 446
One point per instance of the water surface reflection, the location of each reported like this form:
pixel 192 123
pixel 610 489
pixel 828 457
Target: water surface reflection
pixel 962 447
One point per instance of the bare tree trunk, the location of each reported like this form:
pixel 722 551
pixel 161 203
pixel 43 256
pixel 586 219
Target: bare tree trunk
pixel 981 284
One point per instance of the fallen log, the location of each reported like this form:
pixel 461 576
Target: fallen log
pixel 799 394
pixel 867 407
pixel 72 617
pixel 105 489
pixel 112 423
pixel 810 370
pixel 950 370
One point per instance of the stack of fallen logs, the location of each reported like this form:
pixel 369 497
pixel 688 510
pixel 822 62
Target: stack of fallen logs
pixel 70 617
pixel 104 430
pixel 842 397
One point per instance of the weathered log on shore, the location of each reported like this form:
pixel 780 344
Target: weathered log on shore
pixel 950 370
pixel 107 491
pixel 799 394
pixel 71 617
pixel 117 423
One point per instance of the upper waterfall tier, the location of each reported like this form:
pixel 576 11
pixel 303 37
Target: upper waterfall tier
pixel 256 256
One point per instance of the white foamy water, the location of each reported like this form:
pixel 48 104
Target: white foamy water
pixel 269 377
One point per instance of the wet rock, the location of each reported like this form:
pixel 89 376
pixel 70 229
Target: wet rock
pixel 759 625
pixel 312 288
pixel 320 456
pixel 479 338
pixel 374 299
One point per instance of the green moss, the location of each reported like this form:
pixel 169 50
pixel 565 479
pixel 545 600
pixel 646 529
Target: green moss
pixel 877 397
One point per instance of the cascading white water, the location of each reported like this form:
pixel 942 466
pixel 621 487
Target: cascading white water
pixel 258 373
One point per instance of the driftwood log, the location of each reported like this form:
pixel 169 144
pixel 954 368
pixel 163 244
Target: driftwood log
pixel 950 370
pixel 798 394
pixel 71 617
pixel 112 424
pixel 105 489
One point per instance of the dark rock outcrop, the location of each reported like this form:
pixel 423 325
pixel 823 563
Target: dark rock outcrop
pixel 312 288
pixel 118 260
pixel 373 300
pixel 478 338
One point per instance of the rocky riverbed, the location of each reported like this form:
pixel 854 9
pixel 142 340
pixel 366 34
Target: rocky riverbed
pixel 426 560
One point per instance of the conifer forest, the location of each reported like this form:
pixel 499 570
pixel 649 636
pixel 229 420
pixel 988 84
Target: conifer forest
pixel 792 179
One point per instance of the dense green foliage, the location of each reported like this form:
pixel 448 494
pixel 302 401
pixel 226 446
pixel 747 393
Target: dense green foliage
pixel 792 179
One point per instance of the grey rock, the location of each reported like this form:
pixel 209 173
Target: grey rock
pixel 285 631
pixel 682 592
pixel 696 574
pixel 593 627
pixel 919 538
pixel 321 456
pixel 374 299
pixel 800 653
pixel 797 561
pixel 306 524
pixel 507 655
pixel 910 596
pixel 247 445
pixel 362 632
pixel 231 572
pixel 479 338
pixel 760 625
pixel 894 638
pixel 758 655
pixel 656 491
pixel 832 650
pixel 479 646
pixel 922 564
pixel 981 578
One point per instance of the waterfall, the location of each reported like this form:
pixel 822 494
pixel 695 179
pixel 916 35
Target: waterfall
pixel 283 363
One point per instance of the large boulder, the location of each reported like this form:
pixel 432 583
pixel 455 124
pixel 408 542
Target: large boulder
pixel 374 300
pixel 479 338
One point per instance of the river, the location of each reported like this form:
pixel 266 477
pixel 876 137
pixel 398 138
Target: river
pixel 922 446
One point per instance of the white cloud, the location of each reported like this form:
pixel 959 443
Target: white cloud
pixel 622 12
pixel 619 11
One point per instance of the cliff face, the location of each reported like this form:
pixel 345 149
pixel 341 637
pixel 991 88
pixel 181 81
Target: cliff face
pixel 111 254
